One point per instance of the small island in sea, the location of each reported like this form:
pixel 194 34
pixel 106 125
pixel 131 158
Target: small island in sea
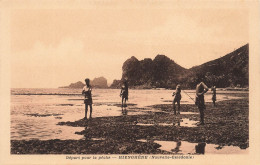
pixel 99 82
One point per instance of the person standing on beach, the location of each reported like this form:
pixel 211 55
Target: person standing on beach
pixel 177 98
pixel 214 98
pixel 124 93
pixel 201 89
pixel 88 98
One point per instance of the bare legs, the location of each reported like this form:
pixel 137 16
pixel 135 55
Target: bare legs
pixel 123 104
pixel 201 115
pixel 214 104
pixel 178 104
pixel 202 107
pixel 90 115
pixel 86 110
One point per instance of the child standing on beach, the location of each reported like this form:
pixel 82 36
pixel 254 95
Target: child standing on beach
pixel 88 98
pixel 124 93
pixel 177 98
pixel 201 89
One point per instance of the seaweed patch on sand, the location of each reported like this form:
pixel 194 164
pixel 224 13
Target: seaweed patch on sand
pixel 64 104
pixel 42 115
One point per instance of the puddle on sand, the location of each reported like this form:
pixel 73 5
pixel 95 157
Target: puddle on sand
pixel 189 113
pixel 160 124
pixel 184 122
pixel 184 147
pixel 142 124
pixel 97 139
pixel 164 124
pixel 42 128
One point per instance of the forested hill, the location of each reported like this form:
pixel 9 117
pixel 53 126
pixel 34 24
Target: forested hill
pixel 162 72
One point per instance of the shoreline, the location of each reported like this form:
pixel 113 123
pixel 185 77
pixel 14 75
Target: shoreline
pixel 225 125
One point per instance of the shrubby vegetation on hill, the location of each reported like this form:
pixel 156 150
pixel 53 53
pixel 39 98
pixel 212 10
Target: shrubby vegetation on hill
pixel 228 71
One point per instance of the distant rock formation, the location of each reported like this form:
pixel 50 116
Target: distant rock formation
pixel 78 84
pixel 116 84
pixel 99 82
pixel 151 73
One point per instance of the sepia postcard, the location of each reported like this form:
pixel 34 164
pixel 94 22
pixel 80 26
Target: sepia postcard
pixel 130 82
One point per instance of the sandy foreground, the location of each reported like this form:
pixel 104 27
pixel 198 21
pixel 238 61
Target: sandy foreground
pixel 227 124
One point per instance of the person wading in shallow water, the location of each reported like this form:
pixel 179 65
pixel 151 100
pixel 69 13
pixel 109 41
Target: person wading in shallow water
pixel 88 98
pixel 201 89
pixel 177 98
pixel 214 98
pixel 124 93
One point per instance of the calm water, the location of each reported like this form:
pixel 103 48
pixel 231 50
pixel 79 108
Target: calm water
pixel 36 112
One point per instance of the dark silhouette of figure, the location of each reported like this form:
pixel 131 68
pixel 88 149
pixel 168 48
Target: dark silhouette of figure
pixel 200 148
pixel 88 98
pixel 87 136
pixel 201 89
pixel 124 93
pixel 124 111
pixel 177 98
pixel 214 93
pixel 177 148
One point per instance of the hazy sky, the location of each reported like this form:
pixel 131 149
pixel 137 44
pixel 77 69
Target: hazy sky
pixel 55 47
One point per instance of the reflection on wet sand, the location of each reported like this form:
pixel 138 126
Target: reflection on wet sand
pixel 200 148
pixel 184 147
pixel 124 111
pixel 177 148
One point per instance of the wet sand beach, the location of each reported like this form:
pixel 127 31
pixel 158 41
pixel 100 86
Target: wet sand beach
pixel 156 131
